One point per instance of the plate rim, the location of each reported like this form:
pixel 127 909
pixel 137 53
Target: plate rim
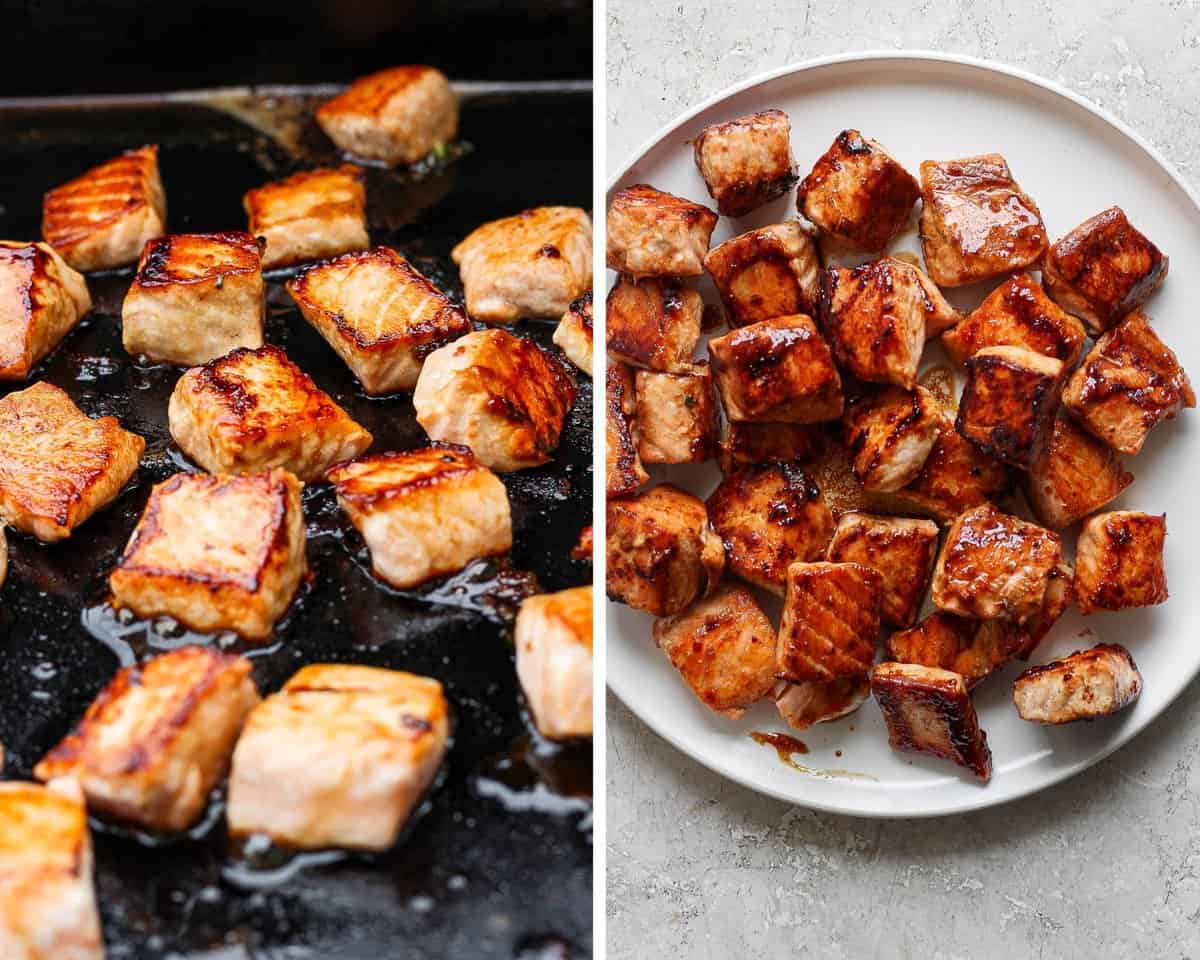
pixel 715 763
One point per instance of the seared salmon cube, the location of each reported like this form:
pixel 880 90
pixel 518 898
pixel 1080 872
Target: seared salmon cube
pixel 1076 475
pixel 773 271
pixel 503 396
pixel 1017 314
pixel 890 435
pixel 875 317
pixel 1083 686
pixel 380 315
pixel 157 740
pixel 1129 383
pixel 653 323
pixel 976 222
pixel 662 553
pixel 1103 269
pixel 830 623
pixel 341 757
pixel 745 443
pixel 103 218
pixel 533 264
pixel 573 335
pixel 777 370
pixel 971 648
pixel 769 516
pixel 994 566
pixel 424 513
pixel 858 193
pixel 746 162
pixel 723 646
pixel 553 640
pixel 677 416
pixel 395 116
pixel 41 301
pixel 901 549
pixel 652 233
pixel 57 465
pixel 1119 561
pixel 623 470
pixel 1009 402
pixel 216 552
pixel 251 410
pixel 928 710
pixel 47 900
pixel 196 297
pixel 310 215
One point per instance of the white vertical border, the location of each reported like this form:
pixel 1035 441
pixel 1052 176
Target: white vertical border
pixel 599 599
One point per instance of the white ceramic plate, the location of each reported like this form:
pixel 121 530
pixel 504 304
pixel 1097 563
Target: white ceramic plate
pixel 1075 161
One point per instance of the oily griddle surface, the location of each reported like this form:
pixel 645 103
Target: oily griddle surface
pixel 500 862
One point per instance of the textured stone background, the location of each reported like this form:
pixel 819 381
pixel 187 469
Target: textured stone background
pixel 1103 866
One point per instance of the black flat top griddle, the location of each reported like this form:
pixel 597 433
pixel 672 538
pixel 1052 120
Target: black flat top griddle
pixel 499 865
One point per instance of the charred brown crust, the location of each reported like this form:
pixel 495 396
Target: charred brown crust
pixel 581 311
pixel 746 442
pixel 1007 408
pixel 435 465
pixel 782 293
pixel 830 625
pixel 902 550
pixel 368 95
pixel 64 222
pixel 941 698
pixel 971 648
pixel 653 323
pixel 162 257
pixel 221 378
pixel 1120 561
pixel 624 472
pixel 906 415
pixel 1104 268
pixel 738 198
pixel 887 190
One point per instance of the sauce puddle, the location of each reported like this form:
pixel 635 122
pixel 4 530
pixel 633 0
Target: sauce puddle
pixel 786 747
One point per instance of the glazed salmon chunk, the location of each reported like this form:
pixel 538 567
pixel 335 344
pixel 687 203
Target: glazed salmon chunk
pixel 216 552
pixel 777 370
pixel 623 470
pixel 662 553
pixel 41 301
pixel 890 435
pixel 503 396
pixel 971 648
pixel 196 297
pixel 310 215
pixel 157 740
pixel 534 264
pixel 424 513
pixel 857 193
pixel 57 465
pixel 769 516
pixel 1083 686
pixel 254 409
pixel 1119 561
pixel 47 900
pixel 573 335
pixel 723 646
pixel 553 640
pixel 976 222
pixel 341 757
pixel 994 566
pixel 1103 269
pixel 396 116
pixel 746 162
pixel 678 421
pixel 1017 314
pixel 1075 476
pixel 652 233
pixel 901 549
pixel 830 624
pixel 380 314
pixel 877 316
pixel 1009 402
pixel 773 271
pixel 1128 384
pixel 746 443
pixel 803 705
pixel 928 710
pixel 103 218
pixel 653 323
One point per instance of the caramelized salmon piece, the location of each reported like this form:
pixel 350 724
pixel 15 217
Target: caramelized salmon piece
pixel 1119 561
pixel 902 550
pixel 553 640
pixel 623 470
pixel 830 624
pixel 971 648
pixel 1076 475
pixel 310 215
pixel 678 416
pixel 1083 686
pixel 928 710
pixel 890 436
pixel 157 740
pixel 652 233
pixel 773 271
pixel 103 218
pixel 746 443
pixel 746 162
pixel 573 335
pixel 41 301
pixel 653 324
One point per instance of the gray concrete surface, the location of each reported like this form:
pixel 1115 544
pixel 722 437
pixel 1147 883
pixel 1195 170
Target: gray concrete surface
pixel 1105 866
